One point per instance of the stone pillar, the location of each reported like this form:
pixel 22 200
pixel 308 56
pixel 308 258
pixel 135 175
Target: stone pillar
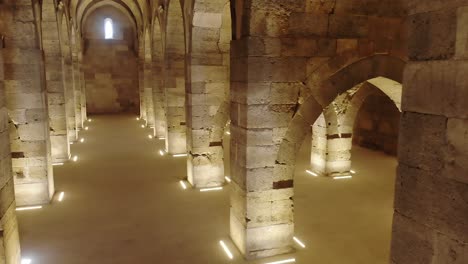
pixel 69 99
pixel 207 89
pixel 54 85
pixel 9 237
pixel 174 84
pixel 318 151
pixel 148 86
pixel 78 93
pixel 141 88
pixel 158 101
pixel 431 209
pixel 261 218
pixel 84 113
pixel 27 106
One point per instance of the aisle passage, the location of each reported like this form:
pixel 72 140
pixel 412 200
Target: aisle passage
pixel 123 204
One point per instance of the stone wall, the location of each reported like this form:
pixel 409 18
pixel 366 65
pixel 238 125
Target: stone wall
pixel 110 65
pixel 377 124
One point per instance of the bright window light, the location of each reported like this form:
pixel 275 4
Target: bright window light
pixel 226 249
pixel 28 208
pixel 108 28
pixel 283 261
pixel 26 261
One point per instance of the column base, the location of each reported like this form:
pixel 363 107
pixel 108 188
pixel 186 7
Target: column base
pixel 28 194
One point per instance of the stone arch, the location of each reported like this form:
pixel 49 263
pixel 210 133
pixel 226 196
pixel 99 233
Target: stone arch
pixel 158 88
pixel 208 39
pixel 341 80
pixel 174 77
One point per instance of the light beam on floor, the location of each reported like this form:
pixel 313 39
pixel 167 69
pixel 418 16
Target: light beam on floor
pixel 57 164
pixel 292 260
pixel 211 189
pixel 179 155
pixel 342 177
pixel 61 196
pixel 312 173
pixel 26 208
pixel 184 186
pixel 299 242
pixel 226 249
pixel 26 261
pixel 162 138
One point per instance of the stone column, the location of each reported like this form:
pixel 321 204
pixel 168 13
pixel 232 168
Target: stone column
pixel 27 106
pixel 54 85
pixel 69 98
pixel 9 237
pixel 141 88
pixel 431 209
pixel 207 88
pixel 148 86
pixel 175 105
pixel 158 101
pixel 78 93
pixel 318 151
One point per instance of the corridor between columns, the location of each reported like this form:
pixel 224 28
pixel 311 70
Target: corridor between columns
pixel 123 203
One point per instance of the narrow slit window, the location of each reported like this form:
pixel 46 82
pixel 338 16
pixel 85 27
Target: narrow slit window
pixel 108 28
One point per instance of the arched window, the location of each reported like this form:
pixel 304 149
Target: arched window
pixel 108 28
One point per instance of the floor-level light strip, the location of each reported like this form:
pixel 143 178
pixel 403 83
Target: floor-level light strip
pixel 162 138
pixel 228 133
pixel 89 120
pixel 150 136
pixel 162 153
pixel 352 172
pixel 138 118
pixel 184 186
pixel 75 158
pixel 26 261
pixel 142 126
pixel 227 178
pixel 292 260
pixel 25 208
pixel 312 173
pixel 61 195
pixel 226 249
pixel 211 189
pixel 86 128
pixel 57 164
pixel 82 140
pixel 179 155
pixel 299 242
pixel 342 177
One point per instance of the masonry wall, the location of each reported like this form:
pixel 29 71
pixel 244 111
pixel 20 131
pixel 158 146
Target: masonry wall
pixel 110 65
pixel 377 124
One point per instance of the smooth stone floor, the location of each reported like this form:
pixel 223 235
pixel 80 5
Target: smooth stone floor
pixel 123 205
